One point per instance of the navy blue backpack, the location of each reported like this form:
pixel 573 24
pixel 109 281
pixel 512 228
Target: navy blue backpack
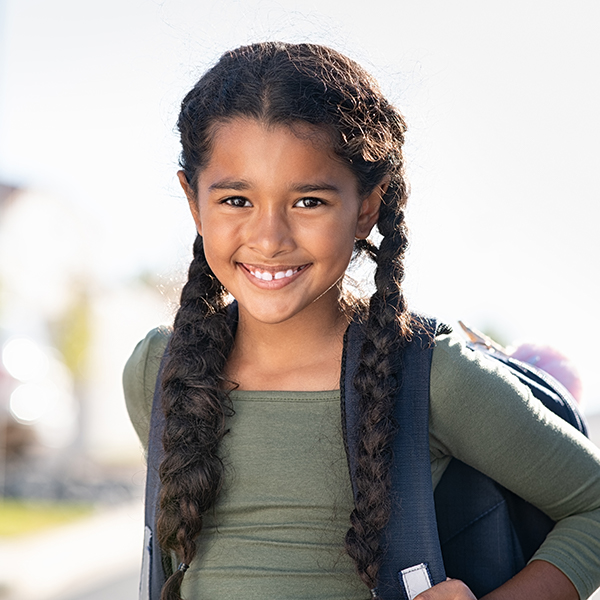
pixel 481 532
pixel 471 528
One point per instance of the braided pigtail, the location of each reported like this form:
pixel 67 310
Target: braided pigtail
pixel 386 329
pixel 196 408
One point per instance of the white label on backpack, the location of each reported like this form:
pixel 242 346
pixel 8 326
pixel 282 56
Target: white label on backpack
pixel 145 575
pixel 416 580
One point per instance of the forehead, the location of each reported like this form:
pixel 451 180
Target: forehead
pixel 250 149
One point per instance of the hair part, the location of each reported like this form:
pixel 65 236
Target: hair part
pixel 283 84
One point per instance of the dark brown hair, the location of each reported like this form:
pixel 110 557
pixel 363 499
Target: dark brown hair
pixel 284 84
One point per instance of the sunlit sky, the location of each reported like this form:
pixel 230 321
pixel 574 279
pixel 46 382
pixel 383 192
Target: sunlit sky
pixel 501 98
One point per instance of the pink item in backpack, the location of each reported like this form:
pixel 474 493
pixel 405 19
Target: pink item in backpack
pixel 554 363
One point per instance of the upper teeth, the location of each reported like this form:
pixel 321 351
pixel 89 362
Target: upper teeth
pixel 268 276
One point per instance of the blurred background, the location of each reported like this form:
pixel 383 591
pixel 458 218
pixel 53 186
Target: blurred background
pixel 502 104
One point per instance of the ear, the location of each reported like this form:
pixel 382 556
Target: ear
pixel 369 211
pixel 192 200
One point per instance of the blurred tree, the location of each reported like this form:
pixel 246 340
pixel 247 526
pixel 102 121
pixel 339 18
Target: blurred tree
pixel 72 334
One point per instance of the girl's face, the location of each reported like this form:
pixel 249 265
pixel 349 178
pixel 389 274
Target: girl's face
pixel 278 214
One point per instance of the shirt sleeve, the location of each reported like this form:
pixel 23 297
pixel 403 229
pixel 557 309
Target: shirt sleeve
pixel 484 416
pixel 139 380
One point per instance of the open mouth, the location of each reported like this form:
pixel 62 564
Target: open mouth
pixel 274 274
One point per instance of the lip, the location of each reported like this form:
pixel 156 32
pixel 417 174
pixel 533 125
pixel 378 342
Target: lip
pixel 275 283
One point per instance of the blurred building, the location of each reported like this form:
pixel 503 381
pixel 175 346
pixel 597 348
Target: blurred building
pixel 64 337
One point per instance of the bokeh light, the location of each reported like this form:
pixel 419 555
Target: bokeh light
pixel 24 360
pixel 31 401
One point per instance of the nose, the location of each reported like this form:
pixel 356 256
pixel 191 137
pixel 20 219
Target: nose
pixel 270 233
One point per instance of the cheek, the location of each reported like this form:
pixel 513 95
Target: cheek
pixel 216 247
pixel 216 233
pixel 338 243
pixel 220 265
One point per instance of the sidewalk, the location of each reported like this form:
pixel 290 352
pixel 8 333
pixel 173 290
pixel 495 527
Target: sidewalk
pixel 59 562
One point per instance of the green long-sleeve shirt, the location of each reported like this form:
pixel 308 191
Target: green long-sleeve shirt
pixel 278 527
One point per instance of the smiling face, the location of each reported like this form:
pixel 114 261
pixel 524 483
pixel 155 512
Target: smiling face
pixel 278 214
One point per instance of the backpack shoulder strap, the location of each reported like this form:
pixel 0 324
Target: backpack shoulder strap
pixel 155 565
pixel 412 549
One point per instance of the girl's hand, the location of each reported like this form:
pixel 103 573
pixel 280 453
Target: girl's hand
pixel 451 589
pixel 539 580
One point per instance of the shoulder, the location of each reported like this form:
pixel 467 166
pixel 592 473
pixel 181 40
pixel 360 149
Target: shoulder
pixel 458 368
pixel 472 397
pixel 464 382
pixel 146 356
pixel 479 410
pixel 139 379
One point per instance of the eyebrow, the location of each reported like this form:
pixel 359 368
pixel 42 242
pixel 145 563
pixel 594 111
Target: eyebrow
pixel 240 185
pixel 319 186
pixel 230 184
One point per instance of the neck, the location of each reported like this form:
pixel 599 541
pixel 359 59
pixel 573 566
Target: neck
pixel 303 353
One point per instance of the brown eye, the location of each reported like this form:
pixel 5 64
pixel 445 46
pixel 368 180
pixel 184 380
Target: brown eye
pixel 309 202
pixel 237 202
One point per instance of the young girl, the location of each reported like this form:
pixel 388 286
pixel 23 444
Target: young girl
pixel 290 157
